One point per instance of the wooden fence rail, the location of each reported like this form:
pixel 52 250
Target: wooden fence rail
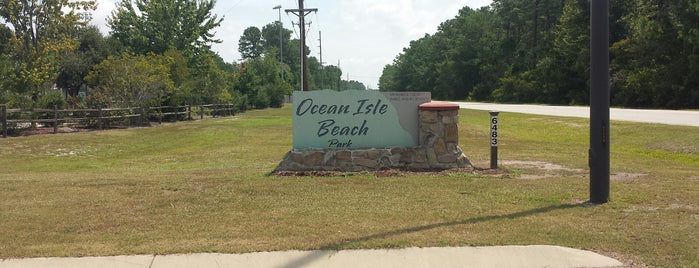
pixel 105 118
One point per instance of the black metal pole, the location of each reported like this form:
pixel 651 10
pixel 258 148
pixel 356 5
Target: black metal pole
pixel 599 157
pixel 494 139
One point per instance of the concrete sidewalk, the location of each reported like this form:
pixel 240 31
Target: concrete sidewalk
pixel 502 256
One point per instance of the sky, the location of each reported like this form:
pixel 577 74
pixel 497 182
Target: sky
pixel 361 35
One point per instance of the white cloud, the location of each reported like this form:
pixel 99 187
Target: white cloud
pixel 99 16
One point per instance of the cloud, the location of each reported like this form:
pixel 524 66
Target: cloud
pixel 99 16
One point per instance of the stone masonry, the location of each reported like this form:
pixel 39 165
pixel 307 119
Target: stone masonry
pixel 438 149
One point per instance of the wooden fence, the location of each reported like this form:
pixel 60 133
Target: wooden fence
pixel 16 119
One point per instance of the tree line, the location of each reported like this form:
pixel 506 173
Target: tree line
pixel 537 51
pixel 156 53
pixel 260 49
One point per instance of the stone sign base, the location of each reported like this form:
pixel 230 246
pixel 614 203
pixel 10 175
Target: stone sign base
pixel 438 149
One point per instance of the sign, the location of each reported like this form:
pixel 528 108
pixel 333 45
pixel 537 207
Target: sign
pixel 356 118
pixel 493 129
pixel 494 139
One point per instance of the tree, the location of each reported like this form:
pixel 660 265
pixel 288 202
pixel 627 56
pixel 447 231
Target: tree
pixel 562 74
pixel 211 84
pixel 131 80
pixel 75 65
pixel 447 63
pixel 259 81
pixel 458 71
pixel 328 77
pixel 656 63
pixel 39 23
pixel 270 39
pixel 6 36
pixel 182 78
pixel 181 31
pixel 250 43
pixel 6 66
pixel 270 43
pixel 157 26
pixel 538 51
pixel 43 30
pixel 387 81
pixel 352 85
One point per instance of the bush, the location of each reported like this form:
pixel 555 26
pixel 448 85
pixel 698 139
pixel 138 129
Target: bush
pixel 261 101
pixel 276 94
pixel 51 99
pixel 17 101
pixel 240 101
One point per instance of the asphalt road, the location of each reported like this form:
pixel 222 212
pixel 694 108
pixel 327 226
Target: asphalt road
pixel 668 117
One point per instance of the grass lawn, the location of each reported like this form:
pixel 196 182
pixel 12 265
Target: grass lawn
pixel 203 187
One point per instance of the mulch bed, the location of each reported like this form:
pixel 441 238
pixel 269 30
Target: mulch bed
pixel 393 172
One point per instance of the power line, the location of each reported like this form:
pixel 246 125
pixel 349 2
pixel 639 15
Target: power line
pixel 320 47
pixel 320 41
pixel 301 12
pixel 293 26
pixel 234 5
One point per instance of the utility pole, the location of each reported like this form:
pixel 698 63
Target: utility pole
pixel 281 49
pixel 320 47
pixel 301 12
pixel 599 102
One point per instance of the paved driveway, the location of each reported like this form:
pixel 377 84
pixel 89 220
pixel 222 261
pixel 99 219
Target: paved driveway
pixel 669 117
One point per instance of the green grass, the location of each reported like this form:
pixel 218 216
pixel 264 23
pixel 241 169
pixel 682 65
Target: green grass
pixel 203 187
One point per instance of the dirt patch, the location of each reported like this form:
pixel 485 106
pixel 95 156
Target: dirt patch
pixel 676 147
pixel 684 206
pixel 626 176
pixel 688 207
pixel 389 172
pixel 570 124
pixel 539 165
pixel 45 131
pixel 549 170
pixel 534 177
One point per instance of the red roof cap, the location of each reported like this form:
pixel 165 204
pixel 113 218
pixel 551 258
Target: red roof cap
pixel 439 106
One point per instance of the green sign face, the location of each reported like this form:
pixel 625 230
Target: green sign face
pixel 356 119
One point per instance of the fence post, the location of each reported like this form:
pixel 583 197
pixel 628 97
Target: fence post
pixel 140 118
pixel 177 114
pixel 129 116
pixel 99 118
pixel 3 118
pixel 160 115
pixel 201 111
pixel 189 112
pixel 55 119
pixel 31 118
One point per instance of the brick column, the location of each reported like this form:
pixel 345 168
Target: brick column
pixel 439 135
